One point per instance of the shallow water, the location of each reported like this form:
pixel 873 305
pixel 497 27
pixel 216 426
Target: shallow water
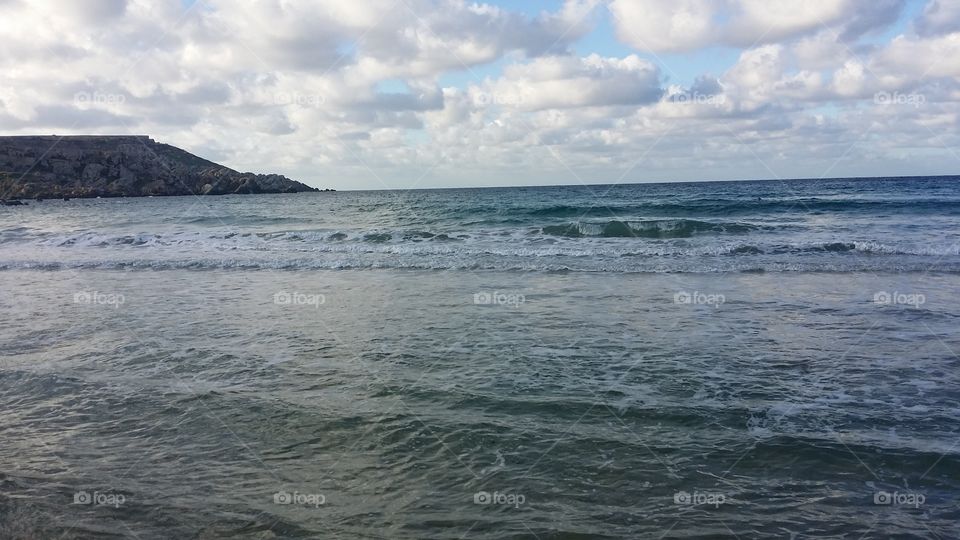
pixel 462 402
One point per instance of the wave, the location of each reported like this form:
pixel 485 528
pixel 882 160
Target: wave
pixel 227 239
pixel 240 220
pixel 692 266
pixel 677 228
pixel 726 207
pixel 874 248
pixel 667 238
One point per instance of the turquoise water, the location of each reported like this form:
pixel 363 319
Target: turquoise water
pixel 745 360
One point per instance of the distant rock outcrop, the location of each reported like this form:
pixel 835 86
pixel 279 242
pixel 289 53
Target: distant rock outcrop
pixel 119 166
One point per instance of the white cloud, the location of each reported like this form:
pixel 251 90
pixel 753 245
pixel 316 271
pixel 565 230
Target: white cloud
pixel 685 25
pixel 560 82
pixel 851 79
pixel 665 25
pixel 939 17
pixel 918 58
pixel 372 91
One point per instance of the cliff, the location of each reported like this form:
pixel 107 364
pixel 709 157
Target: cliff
pixel 119 166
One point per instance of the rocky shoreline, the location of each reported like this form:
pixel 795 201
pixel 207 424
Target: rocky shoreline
pixel 48 167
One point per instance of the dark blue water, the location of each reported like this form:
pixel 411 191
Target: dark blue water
pixel 742 360
pixel 823 225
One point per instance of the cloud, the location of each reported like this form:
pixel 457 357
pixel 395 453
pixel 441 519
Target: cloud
pixel 559 82
pixel 917 58
pixel 665 25
pixel 55 117
pixel 686 25
pixel 939 17
pixel 370 91
pixel 412 38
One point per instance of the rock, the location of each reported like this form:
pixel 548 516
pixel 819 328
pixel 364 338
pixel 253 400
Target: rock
pixel 120 166
pixel 92 171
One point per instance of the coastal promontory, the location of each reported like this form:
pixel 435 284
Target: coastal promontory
pixel 120 166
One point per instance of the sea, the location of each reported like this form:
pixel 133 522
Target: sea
pixel 769 359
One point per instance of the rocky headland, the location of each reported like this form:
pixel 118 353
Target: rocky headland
pixel 34 167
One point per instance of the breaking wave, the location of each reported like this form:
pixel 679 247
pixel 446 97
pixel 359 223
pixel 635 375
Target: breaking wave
pixel 673 228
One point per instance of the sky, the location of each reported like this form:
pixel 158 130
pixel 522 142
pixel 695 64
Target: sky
pixel 401 94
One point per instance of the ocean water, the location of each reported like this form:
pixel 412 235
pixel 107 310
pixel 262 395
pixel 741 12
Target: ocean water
pixel 741 360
